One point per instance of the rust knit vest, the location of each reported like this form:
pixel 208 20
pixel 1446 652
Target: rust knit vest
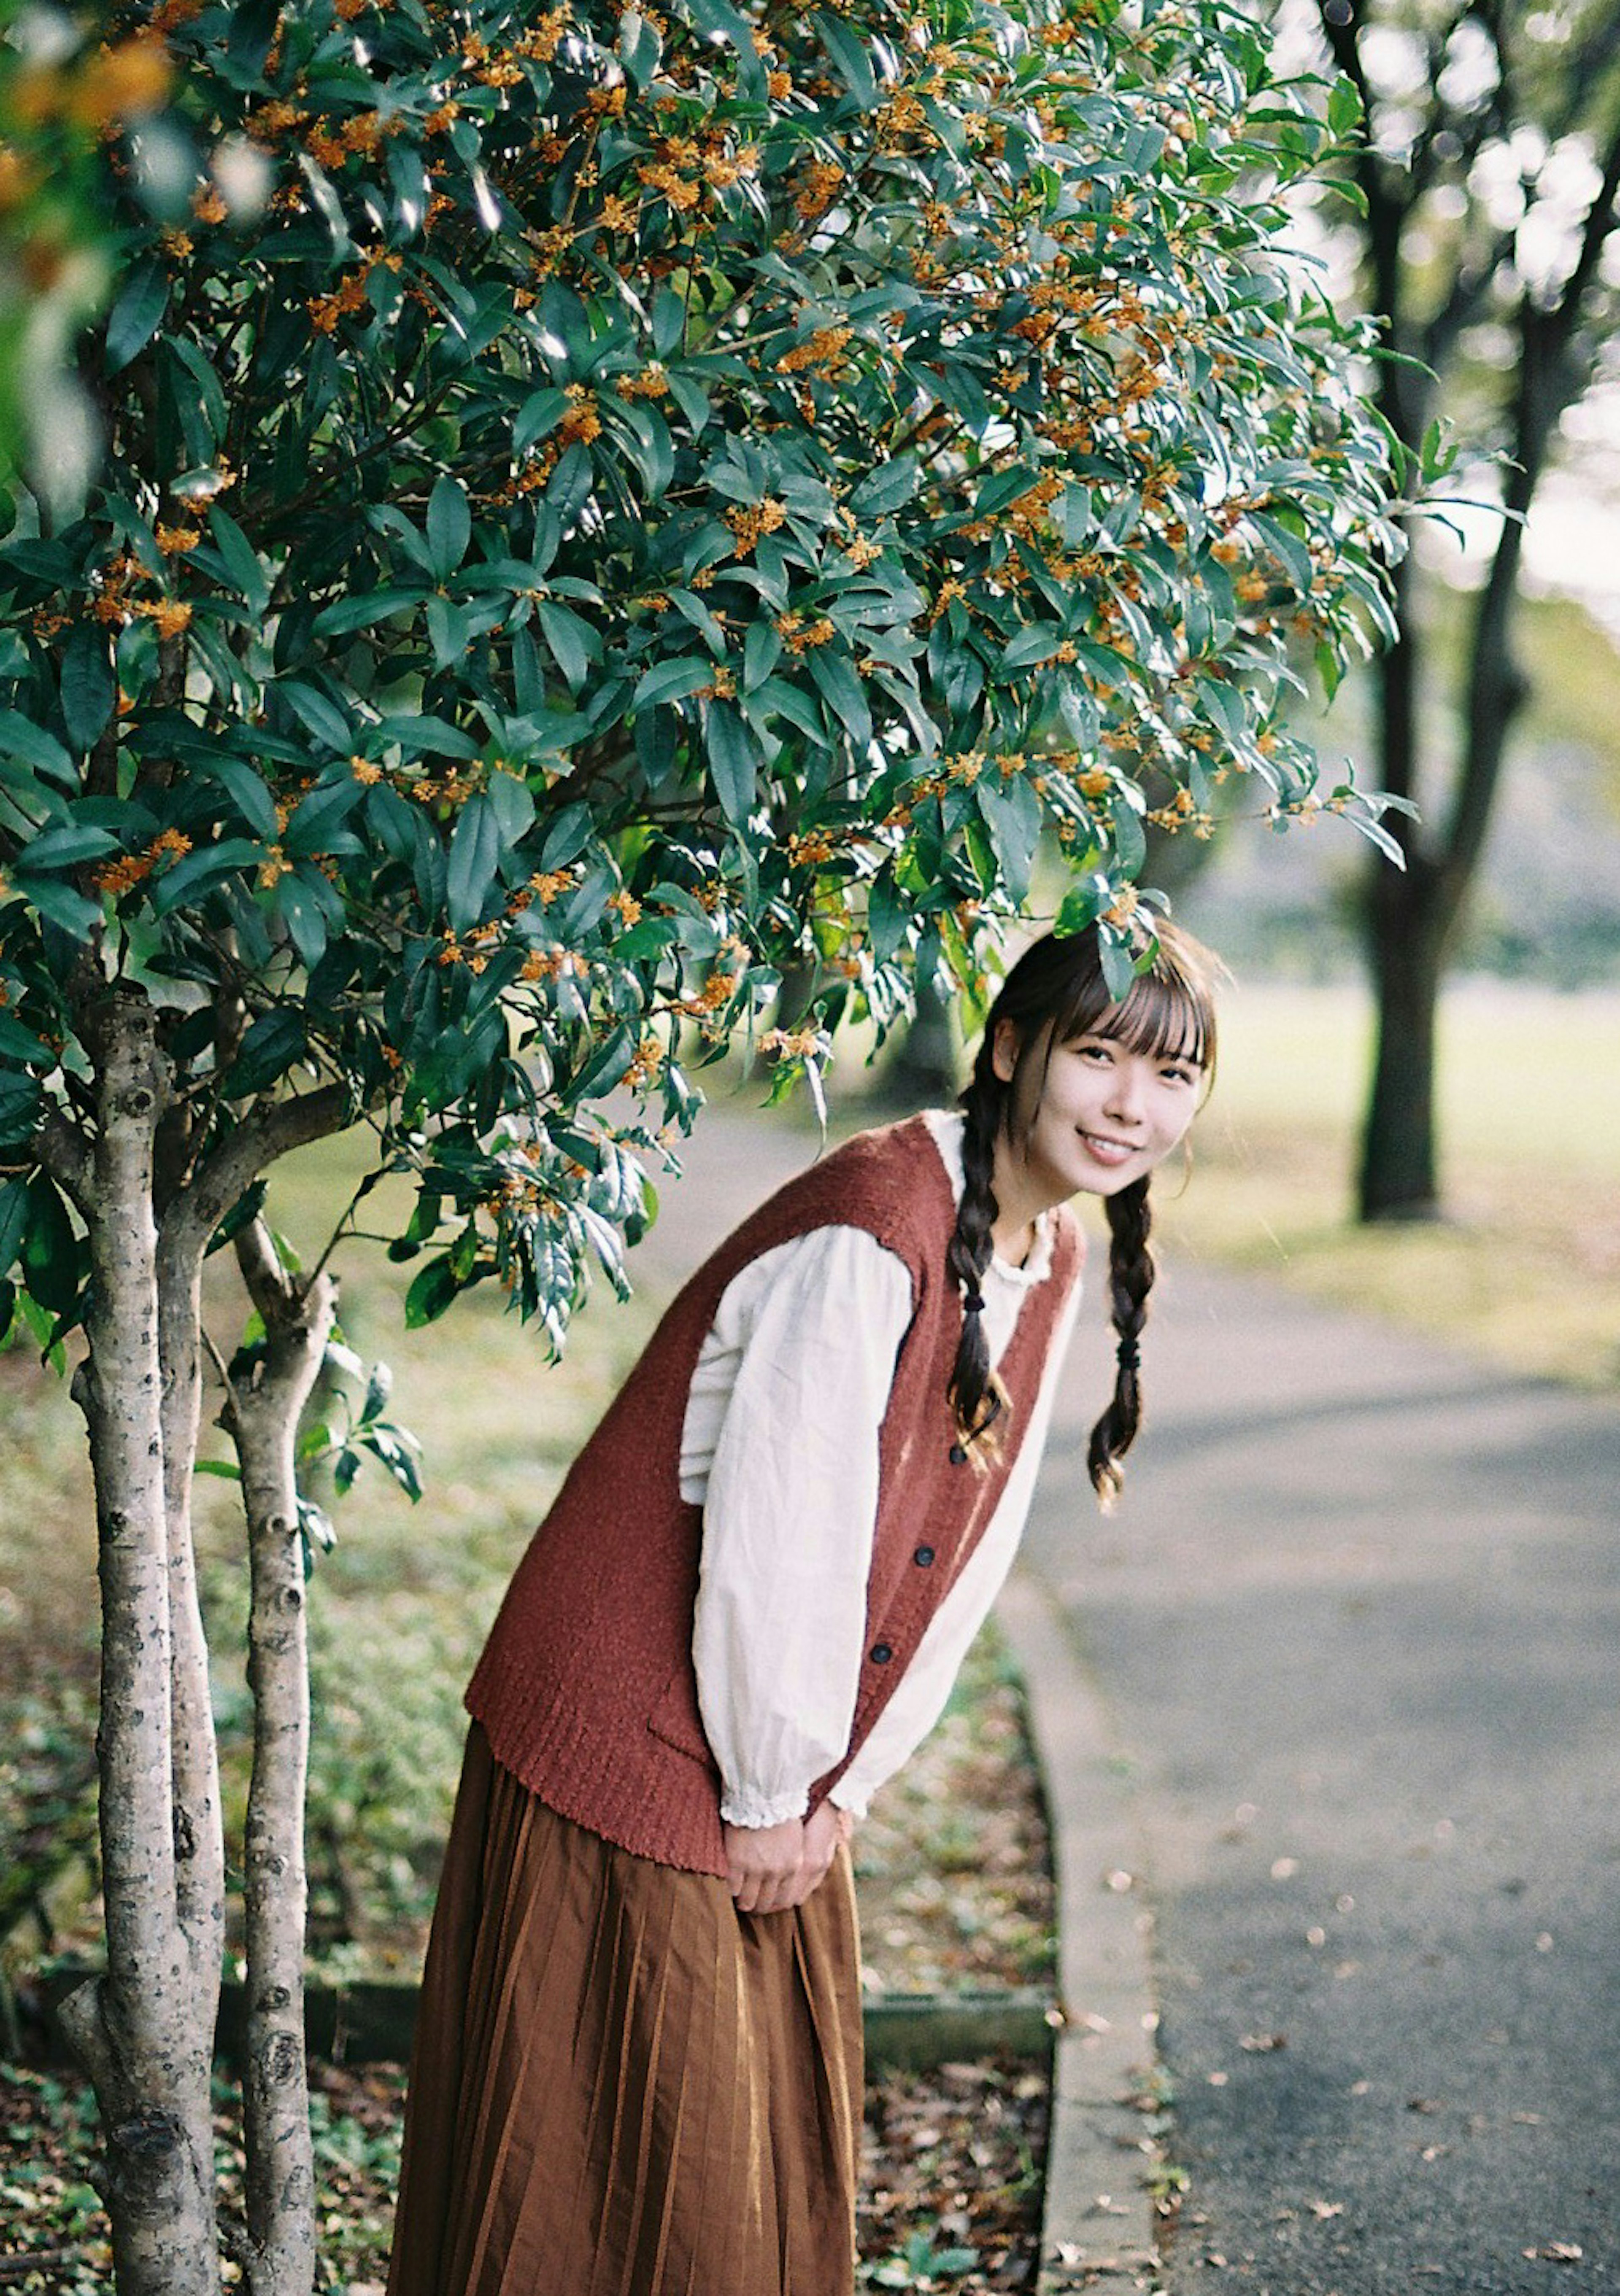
pixel 586 1687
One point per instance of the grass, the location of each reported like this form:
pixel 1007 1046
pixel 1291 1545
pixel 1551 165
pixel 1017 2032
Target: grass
pixel 1523 1268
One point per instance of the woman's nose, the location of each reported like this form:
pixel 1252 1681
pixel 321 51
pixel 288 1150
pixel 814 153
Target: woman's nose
pixel 1126 1097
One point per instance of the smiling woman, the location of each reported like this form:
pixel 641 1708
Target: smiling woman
pixel 639 2056
pixel 1073 1091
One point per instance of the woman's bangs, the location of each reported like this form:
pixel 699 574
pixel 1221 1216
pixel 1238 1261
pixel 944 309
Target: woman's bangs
pixel 1162 1016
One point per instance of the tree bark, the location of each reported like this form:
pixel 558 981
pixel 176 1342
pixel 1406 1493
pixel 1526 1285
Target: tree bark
pixel 1399 1179
pixel 193 1747
pixel 262 1417
pixel 145 2029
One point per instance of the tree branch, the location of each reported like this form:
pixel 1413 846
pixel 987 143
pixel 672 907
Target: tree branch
pixel 244 1153
pixel 66 1156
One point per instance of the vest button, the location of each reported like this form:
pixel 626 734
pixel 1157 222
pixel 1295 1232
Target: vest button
pixel 958 1455
pixel 881 1654
pixel 923 1557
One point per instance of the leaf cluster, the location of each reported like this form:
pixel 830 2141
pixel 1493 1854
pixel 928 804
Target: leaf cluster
pixel 600 507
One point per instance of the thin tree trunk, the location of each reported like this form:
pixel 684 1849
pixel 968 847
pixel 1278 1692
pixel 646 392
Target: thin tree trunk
pixel 140 2029
pixel 263 1419
pixel 194 1750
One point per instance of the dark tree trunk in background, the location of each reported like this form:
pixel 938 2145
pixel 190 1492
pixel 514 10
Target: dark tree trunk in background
pixel 1399 1179
pixel 924 1071
pixel 1556 330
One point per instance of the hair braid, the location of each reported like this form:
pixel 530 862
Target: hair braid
pixel 975 1394
pixel 1131 1273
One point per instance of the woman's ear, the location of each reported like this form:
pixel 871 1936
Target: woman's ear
pixel 1004 1050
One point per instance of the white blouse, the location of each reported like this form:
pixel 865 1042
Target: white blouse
pixel 780 1448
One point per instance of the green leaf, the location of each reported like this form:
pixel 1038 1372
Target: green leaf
pixel 1037 643
pixel 574 644
pixel 669 322
pixel 513 806
pixel 304 918
pixel 886 488
pixel 249 793
pixel 13 1221
pixel 449 525
pixel 67 846
pixel 274 1043
pixel 848 57
pixel 34 747
pixel 319 713
pixel 1119 968
pixel 761 652
pixel 567 836
pixel 20 1107
pixel 888 914
pixel 672 681
pixel 89 687
pixel 241 560
pixel 361 613
pixel 475 851
pixel 137 313
pixel 61 904
pixel 1080 906
pixel 50 1250
pixel 1344 107
pixel 201 870
pixel 431 1290
pixel 733 754
pixel 242 1213
pixel 1289 548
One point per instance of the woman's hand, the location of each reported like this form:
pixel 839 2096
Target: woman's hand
pixel 771 1868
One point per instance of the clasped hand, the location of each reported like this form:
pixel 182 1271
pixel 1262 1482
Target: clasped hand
pixel 771 1868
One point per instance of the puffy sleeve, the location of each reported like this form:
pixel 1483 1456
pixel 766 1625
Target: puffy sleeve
pixel 781 1444
pixel 920 1694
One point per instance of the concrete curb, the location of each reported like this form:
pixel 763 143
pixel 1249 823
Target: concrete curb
pixel 1099 2228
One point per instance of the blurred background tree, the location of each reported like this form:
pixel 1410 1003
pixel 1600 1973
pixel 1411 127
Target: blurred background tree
pixel 1486 246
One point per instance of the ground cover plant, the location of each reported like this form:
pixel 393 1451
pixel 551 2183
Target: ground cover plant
pixel 950 2193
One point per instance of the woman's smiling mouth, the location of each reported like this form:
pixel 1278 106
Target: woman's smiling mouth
pixel 1107 1151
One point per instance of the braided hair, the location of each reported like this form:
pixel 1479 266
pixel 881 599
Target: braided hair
pixel 1057 991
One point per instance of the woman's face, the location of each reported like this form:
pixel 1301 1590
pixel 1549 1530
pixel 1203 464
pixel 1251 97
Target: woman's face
pixel 1107 1114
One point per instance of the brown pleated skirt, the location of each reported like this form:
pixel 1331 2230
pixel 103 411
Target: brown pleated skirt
pixel 621 2085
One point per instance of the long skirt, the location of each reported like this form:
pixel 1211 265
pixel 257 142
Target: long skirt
pixel 621 2085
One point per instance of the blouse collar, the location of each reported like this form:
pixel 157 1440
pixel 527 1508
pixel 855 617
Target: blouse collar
pixel 945 1129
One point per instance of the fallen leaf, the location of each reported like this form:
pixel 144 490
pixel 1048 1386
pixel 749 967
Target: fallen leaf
pixel 1326 2209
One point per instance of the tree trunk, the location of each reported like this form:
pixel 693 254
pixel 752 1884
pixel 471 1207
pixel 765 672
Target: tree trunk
pixel 193 1748
pixel 263 1419
pixel 923 1072
pixel 145 2029
pixel 1398 1177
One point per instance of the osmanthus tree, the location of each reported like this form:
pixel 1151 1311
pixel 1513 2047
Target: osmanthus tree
pixel 596 506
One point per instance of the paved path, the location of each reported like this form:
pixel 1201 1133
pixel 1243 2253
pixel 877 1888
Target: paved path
pixel 1356 1635
pixel 1358 1627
